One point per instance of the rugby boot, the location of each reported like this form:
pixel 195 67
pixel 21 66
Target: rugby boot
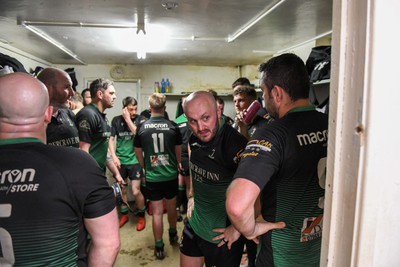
pixel 123 220
pixel 141 224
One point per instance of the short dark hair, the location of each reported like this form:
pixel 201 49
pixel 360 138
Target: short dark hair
pixel 220 100
pixel 129 101
pixel 99 84
pixel 241 81
pixel 247 90
pixel 84 91
pixel 289 72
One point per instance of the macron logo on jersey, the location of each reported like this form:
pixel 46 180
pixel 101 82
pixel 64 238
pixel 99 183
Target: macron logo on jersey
pixel 19 181
pixel 312 138
pixel 155 125
pixel 182 125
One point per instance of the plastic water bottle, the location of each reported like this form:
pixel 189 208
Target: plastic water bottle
pixel 167 86
pixel 156 87
pixel 251 112
pixel 162 86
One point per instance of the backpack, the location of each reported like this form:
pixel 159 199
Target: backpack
pixel 319 63
pixel 71 73
pixel 318 67
pixel 16 66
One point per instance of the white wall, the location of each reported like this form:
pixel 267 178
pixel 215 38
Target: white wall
pixel 182 78
pixel 30 62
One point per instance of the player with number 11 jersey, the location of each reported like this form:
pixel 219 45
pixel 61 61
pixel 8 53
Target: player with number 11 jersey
pixel 158 138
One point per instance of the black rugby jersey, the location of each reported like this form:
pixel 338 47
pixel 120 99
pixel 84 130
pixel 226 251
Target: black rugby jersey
pixel 284 158
pixel 63 130
pixel 158 138
pixel 262 117
pixel 45 192
pixel 94 129
pixel 212 167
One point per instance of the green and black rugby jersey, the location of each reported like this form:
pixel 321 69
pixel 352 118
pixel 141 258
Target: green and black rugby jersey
pixel 94 129
pixel 284 158
pixel 45 192
pixel 158 137
pixel 63 130
pixel 212 167
pixel 125 150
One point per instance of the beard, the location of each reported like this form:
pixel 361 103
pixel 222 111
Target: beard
pixel 213 131
pixel 272 109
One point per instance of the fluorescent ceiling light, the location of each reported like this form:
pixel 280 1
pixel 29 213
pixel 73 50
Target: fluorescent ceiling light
pixel 253 21
pixel 155 39
pixel 141 51
pixel 141 54
pixel 77 24
pixel 53 41
pixel 263 52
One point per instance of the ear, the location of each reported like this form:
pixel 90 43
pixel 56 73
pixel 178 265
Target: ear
pixel 47 115
pixel 99 94
pixel 277 93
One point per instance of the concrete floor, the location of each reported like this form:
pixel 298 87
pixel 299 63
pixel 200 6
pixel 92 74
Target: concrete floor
pixel 137 248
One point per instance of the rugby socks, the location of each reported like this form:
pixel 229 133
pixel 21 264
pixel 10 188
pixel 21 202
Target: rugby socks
pixel 181 196
pixel 173 236
pixel 159 243
pixel 124 209
pixel 172 231
pixel 140 212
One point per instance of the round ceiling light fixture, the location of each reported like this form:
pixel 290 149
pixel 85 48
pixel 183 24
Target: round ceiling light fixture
pixel 170 5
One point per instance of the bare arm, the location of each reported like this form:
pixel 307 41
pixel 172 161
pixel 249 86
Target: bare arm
pixel 113 169
pixel 190 175
pixel 111 149
pixel 178 153
pixel 84 146
pixel 241 209
pixel 190 204
pixel 139 156
pixel 104 232
pixel 242 125
pixel 128 120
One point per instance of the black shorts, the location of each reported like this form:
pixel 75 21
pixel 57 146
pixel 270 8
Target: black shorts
pixel 158 190
pixel 131 171
pixel 194 246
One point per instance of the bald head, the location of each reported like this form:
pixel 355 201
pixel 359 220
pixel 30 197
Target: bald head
pixel 201 96
pixel 24 102
pixel 59 86
pixel 201 111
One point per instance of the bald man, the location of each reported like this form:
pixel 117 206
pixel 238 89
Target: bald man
pixel 62 129
pixel 48 194
pixel 208 236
